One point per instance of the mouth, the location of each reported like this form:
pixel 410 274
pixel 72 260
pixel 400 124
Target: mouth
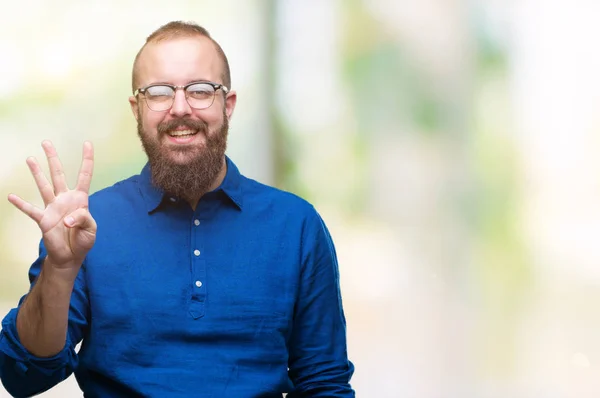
pixel 182 133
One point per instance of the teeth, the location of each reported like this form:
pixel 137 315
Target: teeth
pixel 180 133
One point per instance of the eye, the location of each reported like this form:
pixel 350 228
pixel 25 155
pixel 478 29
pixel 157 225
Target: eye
pixel 157 92
pixel 200 91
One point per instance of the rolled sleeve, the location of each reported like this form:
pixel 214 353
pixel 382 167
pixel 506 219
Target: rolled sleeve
pixel 24 374
pixel 319 365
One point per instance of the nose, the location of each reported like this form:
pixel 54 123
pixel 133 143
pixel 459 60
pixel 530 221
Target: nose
pixel 180 105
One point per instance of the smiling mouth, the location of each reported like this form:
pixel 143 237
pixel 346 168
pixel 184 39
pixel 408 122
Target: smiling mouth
pixel 182 133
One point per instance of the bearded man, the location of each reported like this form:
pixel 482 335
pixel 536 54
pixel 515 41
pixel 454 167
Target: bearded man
pixel 187 280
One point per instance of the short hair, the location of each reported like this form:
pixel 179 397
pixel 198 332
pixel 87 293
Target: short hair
pixel 177 29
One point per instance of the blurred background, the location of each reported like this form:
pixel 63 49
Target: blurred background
pixel 450 145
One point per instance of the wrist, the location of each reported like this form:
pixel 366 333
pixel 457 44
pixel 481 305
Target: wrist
pixel 63 272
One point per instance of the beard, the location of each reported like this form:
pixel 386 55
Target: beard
pixel 193 177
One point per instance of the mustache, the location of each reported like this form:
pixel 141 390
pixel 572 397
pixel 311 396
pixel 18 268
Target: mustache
pixel 165 127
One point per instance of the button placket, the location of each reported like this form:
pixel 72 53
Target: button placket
pixel 198 270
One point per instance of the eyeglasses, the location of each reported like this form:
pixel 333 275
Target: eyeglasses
pixel 199 95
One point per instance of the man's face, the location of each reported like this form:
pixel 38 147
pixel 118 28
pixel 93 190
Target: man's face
pixel 185 146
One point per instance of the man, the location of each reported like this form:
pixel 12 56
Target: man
pixel 188 280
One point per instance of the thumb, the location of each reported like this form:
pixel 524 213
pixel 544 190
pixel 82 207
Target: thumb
pixel 81 218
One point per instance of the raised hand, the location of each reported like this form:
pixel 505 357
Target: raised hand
pixel 68 228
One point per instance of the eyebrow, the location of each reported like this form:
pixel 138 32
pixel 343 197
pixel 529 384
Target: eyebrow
pixel 171 84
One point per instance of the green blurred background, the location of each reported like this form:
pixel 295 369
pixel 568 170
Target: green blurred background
pixel 450 146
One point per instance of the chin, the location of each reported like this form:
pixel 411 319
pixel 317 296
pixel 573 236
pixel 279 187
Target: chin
pixel 181 155
pixel 183 160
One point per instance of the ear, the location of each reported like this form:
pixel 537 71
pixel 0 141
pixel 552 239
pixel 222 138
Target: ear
pixel 230 102
pixel 133 102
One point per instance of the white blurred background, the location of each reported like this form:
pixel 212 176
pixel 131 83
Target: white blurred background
pixel 450 146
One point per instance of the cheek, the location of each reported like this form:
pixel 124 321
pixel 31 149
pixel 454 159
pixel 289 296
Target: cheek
pixel 213 117
pixel 150 124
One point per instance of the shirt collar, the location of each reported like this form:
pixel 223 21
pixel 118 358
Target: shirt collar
pixel 232 184
pixel 231 187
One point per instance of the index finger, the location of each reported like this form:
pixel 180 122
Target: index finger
pixel 86 170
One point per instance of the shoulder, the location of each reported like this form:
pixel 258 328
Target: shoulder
pixel 291 211
pixel 257 194
pixel 124 190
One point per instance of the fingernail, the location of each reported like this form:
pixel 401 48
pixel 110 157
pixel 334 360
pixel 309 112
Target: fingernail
pixel 70 221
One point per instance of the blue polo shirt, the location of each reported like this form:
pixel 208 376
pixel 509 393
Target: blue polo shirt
pixel 238 298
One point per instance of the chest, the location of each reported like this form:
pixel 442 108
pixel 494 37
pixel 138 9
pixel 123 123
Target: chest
pixel 193 275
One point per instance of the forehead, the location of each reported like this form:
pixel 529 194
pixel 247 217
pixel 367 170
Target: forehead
pixel 179 61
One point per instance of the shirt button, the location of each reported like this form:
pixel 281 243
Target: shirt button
pixel 196 252
pixel 198 284
pixel 196 222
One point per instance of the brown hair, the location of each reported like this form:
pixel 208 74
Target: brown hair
pixel 176 29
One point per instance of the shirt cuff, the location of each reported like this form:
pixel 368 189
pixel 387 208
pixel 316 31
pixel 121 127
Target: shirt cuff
pixel 11 346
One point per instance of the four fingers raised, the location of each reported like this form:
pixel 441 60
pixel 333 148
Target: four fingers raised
pixel 81 217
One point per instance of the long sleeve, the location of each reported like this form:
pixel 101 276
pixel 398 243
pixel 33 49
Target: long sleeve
pixel 22 373
pixel 318 363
